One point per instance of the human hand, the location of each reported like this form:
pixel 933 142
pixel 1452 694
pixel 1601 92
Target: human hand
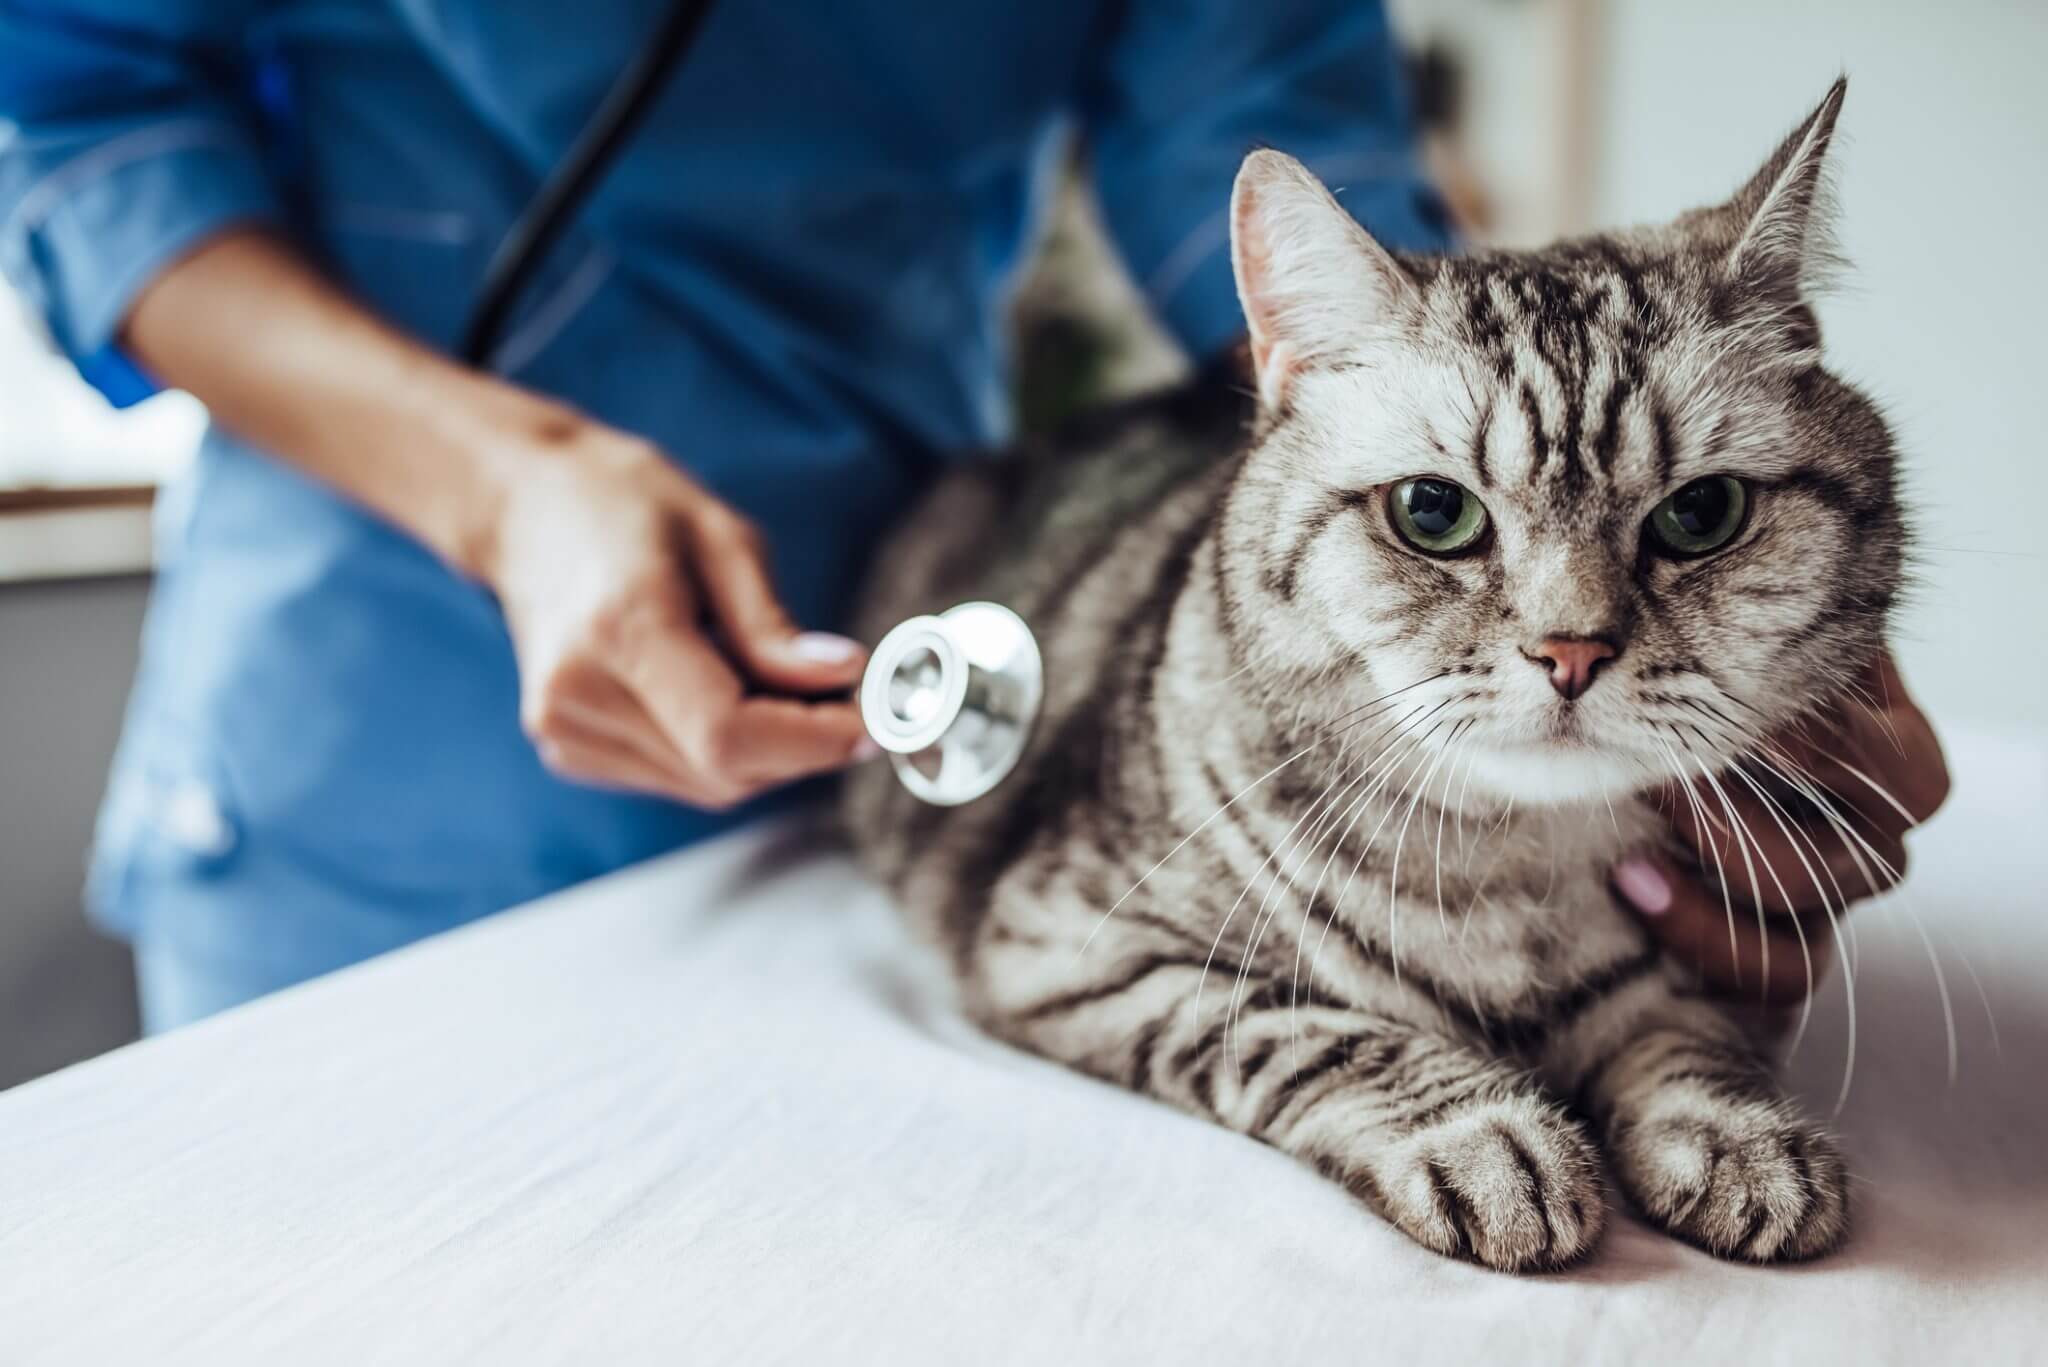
pixel 644 621
pixel 1874 759
pixel 653 654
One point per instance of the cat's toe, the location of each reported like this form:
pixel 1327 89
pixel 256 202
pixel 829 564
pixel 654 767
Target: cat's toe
pixel 1754 1183
pixel 1513 1184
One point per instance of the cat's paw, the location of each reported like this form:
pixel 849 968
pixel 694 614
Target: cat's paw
pixel 1747 1180
pixel 1512 1183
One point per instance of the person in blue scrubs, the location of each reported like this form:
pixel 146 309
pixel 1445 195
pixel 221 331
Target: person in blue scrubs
pixel 428 642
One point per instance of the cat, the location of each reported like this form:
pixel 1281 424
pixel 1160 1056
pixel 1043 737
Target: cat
pixel 1355 688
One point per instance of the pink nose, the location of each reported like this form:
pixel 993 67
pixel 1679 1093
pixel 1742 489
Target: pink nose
pixel 1572 661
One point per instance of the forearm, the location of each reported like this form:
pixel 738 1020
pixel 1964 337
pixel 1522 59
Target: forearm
pixel 612 566
pixel 285 360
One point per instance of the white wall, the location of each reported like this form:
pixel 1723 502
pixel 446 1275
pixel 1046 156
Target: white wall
pixel 58 431
pixel 1524 112
pixel 1945 216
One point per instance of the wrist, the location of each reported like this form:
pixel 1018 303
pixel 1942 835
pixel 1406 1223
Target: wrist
pixel 501 442
pixel 522 455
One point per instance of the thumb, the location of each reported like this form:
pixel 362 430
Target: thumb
pixel 732 566
pixel 1739 953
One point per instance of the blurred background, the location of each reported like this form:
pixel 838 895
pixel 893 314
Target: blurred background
pixel 1543 117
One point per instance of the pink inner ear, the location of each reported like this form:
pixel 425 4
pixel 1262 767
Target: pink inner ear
pixel 1271 359
pixel 1254 261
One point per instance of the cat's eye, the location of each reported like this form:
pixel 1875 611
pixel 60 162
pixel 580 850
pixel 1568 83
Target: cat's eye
pixel 1700 518
pixel 1436 516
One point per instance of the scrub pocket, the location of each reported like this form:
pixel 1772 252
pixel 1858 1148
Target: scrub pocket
pixel 169 814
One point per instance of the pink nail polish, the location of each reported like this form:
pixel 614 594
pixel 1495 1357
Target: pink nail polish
pixel 1644 884
pixel 822 647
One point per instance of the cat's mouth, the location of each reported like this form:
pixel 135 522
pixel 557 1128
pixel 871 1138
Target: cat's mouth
pixel 1566 728
pixel 1563 728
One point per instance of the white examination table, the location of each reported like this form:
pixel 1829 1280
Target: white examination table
pixel 714 1110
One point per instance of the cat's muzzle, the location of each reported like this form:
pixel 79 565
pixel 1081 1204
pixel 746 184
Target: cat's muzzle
pixel 952 699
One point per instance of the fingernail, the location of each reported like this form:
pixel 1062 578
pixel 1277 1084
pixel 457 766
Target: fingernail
pixel 865 749
pixel 822 647
pixel 1644 884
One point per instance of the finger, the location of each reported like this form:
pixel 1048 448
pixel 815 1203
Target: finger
pixel 734 745
pixel 1872 752
pixel 606 707
pixel 1840 774
pixel 582 694
pixel 775 740
pixel 1785 855
pixel 598 760
pixel 1856 862
pixel 689 690
pixel 1895 744
pixel 732 567
pixel 1728 827
pixel 1722 940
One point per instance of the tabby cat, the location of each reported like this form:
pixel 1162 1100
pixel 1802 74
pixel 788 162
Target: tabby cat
pixel 1502 541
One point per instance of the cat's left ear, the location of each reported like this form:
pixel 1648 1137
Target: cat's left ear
pixel 1783 218
pixel 1315 286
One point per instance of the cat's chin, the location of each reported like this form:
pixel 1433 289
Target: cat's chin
pixel 1556 773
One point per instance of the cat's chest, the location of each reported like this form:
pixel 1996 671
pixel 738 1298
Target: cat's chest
pixel 1519 913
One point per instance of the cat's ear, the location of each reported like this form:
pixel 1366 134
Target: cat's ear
pixel 1314 284
pixel 1783 219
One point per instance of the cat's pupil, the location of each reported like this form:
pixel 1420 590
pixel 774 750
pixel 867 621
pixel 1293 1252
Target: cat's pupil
pixel 1700 507
pixel 1434 506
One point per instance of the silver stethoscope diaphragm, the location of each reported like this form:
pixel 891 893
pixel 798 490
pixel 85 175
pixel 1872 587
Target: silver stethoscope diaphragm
pixel 952 699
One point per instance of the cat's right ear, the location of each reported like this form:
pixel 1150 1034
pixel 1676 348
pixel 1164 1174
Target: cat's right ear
pixel 1315 286
pixel 1785 212
pixel 1775 239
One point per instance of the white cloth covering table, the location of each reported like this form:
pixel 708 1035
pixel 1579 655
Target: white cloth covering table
pixel 716 1110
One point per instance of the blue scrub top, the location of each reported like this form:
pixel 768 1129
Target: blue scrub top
pixel 793 280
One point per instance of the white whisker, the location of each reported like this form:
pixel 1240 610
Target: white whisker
pixel 1741 834
pixel 1337 907
pixel 1442 811
pixel 1699 814
pixel 1773 810
pixel 1855 841
pixel 1235 799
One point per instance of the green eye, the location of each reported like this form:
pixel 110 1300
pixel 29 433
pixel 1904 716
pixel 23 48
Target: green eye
pixel 1436 516
pixel 1700 518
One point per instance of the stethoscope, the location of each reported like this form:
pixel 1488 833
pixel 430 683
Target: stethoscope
pixel 952 697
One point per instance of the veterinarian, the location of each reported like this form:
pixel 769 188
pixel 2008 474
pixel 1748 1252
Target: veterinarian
pixel 431 640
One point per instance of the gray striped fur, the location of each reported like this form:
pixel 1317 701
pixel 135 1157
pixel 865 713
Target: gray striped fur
pixel 1389 947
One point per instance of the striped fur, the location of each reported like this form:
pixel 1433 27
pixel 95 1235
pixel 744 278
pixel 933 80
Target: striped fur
pixel 1387 945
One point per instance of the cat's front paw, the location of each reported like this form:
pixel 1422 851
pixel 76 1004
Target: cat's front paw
pixel 1513 1183
pixel 1748 1180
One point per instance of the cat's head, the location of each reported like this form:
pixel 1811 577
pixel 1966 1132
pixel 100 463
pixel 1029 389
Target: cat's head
pixel 1597 509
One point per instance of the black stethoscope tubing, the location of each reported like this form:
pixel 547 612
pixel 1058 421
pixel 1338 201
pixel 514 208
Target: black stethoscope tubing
pixel 565 190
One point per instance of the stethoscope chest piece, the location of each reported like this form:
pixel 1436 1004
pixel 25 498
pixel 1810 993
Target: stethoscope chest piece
pixel 952 699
